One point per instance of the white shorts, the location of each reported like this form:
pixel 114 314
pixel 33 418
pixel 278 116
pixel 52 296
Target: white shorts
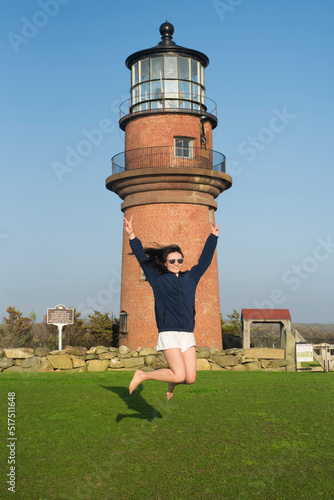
pixel 172 340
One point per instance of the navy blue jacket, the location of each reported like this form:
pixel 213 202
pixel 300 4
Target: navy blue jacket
pixel 175 296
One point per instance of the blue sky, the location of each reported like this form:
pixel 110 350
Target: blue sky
pixel 271 75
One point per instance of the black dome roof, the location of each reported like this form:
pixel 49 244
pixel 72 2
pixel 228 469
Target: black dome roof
pixel 167 46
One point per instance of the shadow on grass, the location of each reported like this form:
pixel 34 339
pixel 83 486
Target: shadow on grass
pixel 135 402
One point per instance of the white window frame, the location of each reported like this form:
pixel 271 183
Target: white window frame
pixel 189 141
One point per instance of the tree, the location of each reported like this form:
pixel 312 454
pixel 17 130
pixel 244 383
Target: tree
pixel 233 326
pixel 47 335
pixel 32 316
pixel 231 330
pixel 19 329
pixel 74 334
pixel 101 328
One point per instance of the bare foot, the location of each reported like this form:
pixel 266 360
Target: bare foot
pixel 136 379
pixel 170 391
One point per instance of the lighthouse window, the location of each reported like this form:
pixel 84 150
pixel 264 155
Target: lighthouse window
pixel 145 70
pixel 184 68
pixel 167 82
pixel 135 74
pixel 183 147
pixel 170 88
pixel 156 68
pixel 194 71
pixel 170 67
pixel 184 91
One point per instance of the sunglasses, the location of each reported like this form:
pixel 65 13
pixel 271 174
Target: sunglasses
pixel 172 261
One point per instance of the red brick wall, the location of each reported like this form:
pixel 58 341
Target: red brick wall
pixel 160 130
pixel 188 226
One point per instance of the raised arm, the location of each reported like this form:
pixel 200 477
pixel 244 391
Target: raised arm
pixel 128 228
pixel 207 254
pixel 137 248
pixel 214 229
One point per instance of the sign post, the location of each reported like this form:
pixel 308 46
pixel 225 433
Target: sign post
pixel 60 316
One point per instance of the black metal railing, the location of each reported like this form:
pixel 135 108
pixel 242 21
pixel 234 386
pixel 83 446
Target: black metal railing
pixel 168 156
pixel 168 101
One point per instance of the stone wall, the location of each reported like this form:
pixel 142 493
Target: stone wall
pixel 96 359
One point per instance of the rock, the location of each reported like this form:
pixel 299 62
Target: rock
pixel 149 360
pixel 108 355
pixel 76 351
pixel 115 363
pixel 100 349
pixel 278 363
pixel 134 354
pixel 234 351
pixel 97 365
pixel 91 356
pixel 216 368
pixel 265 363
pixel 18 362
pixel 224 360
pixel 91 350
pixel 148 351
pixel 113 349
pixel 203 353
pixel 78 362
pixel 1 353
pixel 14 369
pixel 202 364
pixel 62 361
pixel 123 350
pixel 45 366
pixel 215 350
pixel 19 353
pixel 34 363
pixel 159 362
pixel 133 362
pixel 55 352
pixel 264 353
pixel 42 351
pixel 30 369
pixel 123 356
pixel 6 363
pixel 253 365
pixel 238 368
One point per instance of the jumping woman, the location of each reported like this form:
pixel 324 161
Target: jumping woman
pixel 174 296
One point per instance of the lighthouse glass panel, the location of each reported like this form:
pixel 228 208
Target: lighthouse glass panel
pixel 144 70
pixel 167 82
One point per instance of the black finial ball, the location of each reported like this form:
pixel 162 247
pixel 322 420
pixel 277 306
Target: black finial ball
pixel 166 29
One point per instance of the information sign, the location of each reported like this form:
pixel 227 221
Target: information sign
pixel 304 352
pixel 60 316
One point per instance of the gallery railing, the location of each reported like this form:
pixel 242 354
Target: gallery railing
pixel 168 156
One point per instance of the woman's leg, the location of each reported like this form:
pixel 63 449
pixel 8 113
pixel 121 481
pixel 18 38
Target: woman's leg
pixel 176 373
pixel 189 359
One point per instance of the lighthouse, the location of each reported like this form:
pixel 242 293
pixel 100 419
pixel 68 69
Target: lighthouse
pixel 168 178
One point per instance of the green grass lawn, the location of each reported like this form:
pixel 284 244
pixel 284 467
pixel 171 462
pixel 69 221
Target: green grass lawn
pixel 231 435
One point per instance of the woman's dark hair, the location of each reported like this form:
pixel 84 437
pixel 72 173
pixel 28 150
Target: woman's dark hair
pixel 157 256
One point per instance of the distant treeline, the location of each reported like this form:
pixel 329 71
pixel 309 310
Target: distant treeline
pixel 103 329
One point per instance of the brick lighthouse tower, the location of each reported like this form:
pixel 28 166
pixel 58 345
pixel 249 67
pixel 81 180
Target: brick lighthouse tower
pixel 168 176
